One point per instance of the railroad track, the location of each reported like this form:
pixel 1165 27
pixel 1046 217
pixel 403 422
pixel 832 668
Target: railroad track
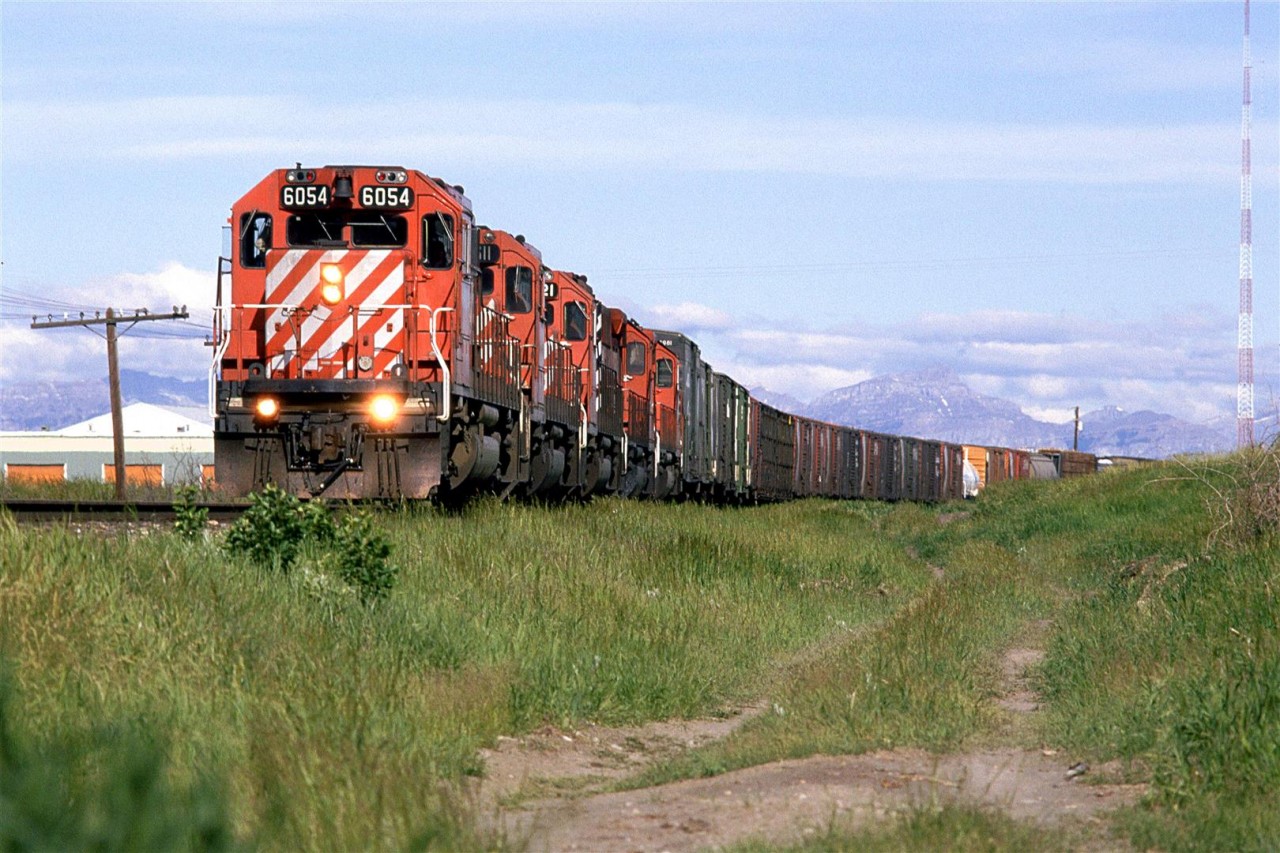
pixel 56 510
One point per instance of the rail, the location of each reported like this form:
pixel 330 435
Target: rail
pixel 563 385
pixel 44 509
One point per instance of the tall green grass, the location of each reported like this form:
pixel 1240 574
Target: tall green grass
pixel 339 724
pixel 1159 590
pixel 326 722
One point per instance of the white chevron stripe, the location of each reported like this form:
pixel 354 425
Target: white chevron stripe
pixel 307 283
pixel 382 294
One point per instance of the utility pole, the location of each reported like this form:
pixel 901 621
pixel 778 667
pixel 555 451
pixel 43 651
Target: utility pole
pixel 113 369
pixel 1075 436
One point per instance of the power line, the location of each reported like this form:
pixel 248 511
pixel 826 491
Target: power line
pixel 925 263
pixel 111 321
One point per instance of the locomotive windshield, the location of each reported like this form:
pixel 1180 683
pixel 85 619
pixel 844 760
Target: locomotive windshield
pixel 519 290
pixel 635 358
pixel 334 228
pixel 666 373
pixel 379 230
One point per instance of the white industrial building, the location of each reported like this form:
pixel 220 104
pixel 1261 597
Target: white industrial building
pixel 162 447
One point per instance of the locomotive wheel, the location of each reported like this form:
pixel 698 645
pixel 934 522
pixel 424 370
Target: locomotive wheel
pixel 547 468
pixel 597 471
pixel 474 457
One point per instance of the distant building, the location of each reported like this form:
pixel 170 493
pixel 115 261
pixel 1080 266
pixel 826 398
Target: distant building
pixel 162 447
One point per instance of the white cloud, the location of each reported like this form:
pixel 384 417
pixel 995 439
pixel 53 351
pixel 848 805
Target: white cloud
pixel 1050 415
pixel 612 135
pixel 1168 364
pixel 687 316
pixel 163 347
pixel 798 379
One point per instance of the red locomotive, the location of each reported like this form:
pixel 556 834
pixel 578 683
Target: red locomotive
pixel 373 341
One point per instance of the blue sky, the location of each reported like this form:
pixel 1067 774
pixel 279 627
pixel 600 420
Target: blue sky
pixel 1043 197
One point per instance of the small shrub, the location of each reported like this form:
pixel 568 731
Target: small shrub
pixel 362 555
pixel 317 522
pixel 190 519
pixel 272 530
pixel 275 529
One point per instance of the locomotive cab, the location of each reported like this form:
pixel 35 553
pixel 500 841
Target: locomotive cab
pixel 575 367
pixel 344 333
pixel 647 411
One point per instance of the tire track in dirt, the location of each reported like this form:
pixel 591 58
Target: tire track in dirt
pixel 542 790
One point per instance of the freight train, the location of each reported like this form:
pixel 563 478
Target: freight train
pixel 373 340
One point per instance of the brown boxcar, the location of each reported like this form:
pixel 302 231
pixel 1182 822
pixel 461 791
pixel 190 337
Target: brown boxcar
pixel 1072 463
pixel 773 447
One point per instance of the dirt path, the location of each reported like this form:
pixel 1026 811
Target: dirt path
pixel 542 791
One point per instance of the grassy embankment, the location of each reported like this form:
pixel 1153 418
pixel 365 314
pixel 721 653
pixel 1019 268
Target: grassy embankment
pixel 326 723
pixel 1155 595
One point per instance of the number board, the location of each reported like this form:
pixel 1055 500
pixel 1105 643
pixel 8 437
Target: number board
pixel 305 196
pixel 386 198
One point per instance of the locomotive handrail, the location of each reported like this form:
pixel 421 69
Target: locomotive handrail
pixel 219 350
pixel 297 305
pixel 657 453
pixel 222 339
pixel 446 390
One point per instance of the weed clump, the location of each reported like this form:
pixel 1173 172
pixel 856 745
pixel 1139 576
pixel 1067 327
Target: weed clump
pixel 1246 509
pixel 1225 734
pixel 362 555
pixel 277 527
pixel 271 530
pixel 190 519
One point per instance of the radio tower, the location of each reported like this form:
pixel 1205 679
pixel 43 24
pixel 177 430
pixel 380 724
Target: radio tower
pixel 1244 386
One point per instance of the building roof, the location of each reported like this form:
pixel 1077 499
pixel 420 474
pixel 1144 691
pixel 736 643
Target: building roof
pixel 144 419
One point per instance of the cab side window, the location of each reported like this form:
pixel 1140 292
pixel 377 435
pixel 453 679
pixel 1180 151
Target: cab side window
pixel 519 290
pixel 255 239
pixel 666 373
pixel 437 241
pixel 575 322
pixel 635 358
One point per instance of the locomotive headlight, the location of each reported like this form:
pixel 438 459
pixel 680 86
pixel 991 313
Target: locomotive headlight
pixel 331 284
pixel 268 408
pixel 384 408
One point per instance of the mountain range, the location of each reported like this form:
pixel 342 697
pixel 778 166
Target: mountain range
pixel 53 405
pixel 935 403
pixel 932 403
